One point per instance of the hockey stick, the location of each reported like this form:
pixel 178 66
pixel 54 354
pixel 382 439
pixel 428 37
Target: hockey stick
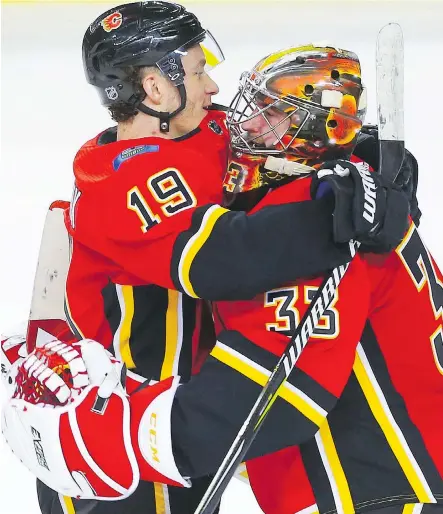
pixel 389 61
pixel 390 93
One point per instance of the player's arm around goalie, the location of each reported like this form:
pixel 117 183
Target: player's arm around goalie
pixel 206 414
pixel 191 243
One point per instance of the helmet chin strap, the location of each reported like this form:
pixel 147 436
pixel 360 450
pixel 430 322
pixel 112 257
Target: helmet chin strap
pixel 285 167
pixel 163 116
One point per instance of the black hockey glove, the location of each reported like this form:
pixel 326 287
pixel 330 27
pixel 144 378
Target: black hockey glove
pixel 407 179
pixel 365 208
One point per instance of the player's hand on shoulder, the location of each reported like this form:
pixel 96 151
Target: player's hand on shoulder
pixel 366 208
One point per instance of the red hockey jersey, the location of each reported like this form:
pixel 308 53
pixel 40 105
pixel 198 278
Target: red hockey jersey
pixel 149 236
pixel 382 442
pixel 362 408
pixel 132 197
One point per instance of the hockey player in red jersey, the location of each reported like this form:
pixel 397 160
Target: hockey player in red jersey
pixel 201 417
pixel 148 233
pixel 145 218
pixel 149 236
pixel 380 446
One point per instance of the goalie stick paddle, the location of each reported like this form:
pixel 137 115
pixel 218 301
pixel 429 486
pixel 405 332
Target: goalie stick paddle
pixel 47 314
pixel 389 68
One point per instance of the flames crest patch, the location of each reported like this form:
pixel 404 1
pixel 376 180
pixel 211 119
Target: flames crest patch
pixel 112 21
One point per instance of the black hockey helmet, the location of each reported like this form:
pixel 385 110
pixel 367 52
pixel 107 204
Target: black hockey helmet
pixel 151 33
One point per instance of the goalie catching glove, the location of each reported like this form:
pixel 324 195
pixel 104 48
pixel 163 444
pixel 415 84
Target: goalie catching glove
pixel 68 421
pixel 71 423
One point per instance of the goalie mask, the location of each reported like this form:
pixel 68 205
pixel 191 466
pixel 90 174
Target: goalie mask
pixel 296 109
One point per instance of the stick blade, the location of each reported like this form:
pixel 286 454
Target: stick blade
pixel 47 305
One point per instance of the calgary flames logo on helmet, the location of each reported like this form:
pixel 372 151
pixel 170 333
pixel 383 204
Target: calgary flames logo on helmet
pixel 112 22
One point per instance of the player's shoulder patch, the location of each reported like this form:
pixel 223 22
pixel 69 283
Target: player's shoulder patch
pixel 215 127
pixel 133 151
pixel 216 122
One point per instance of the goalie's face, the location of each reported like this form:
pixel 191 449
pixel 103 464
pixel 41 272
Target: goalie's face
pixel 261 122
pixel 267 126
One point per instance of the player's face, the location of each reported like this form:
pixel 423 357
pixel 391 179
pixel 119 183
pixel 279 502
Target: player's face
pixel 199 91
pixel 268 127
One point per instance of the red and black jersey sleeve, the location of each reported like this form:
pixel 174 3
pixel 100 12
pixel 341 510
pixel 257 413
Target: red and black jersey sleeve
pixel 154 214
pixel 226 255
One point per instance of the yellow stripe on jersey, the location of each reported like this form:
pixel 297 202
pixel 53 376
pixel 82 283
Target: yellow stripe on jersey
pixel 161 505
pixel 127 308
pixel 67 504
pixel 412 508
pixel 336 475
pixel 394 436
pixel 173 335
pixel 276 394
pixel 194 245
pixel 260 375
